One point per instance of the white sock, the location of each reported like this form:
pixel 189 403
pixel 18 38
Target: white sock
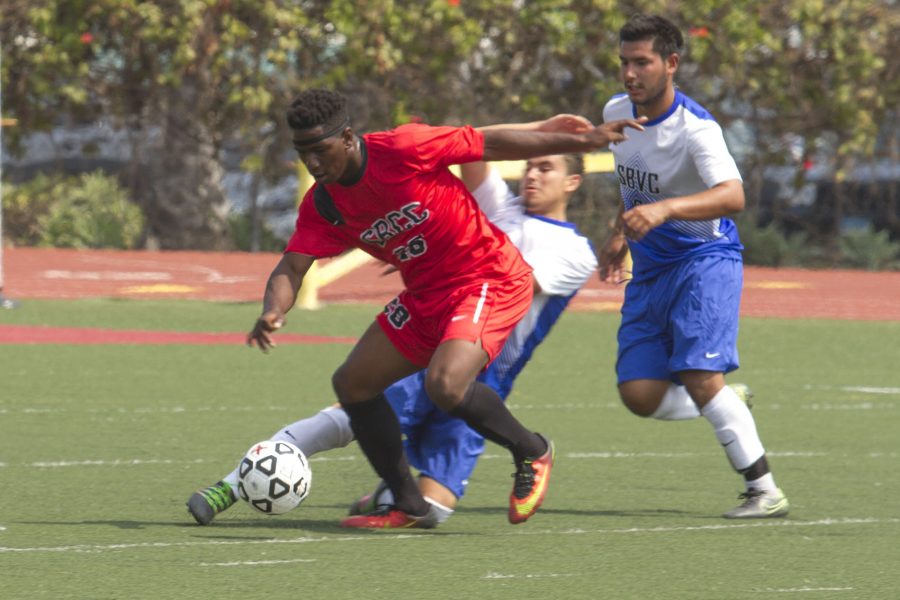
pixel 326 430
pixel 766 483
pixel 386 497
pixel 676 405
pixel 443 512
pixel 735 428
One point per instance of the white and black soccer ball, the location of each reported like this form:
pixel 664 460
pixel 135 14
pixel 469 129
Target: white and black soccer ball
pixel 274 477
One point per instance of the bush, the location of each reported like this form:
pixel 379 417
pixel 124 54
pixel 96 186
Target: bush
pixel 23 206
pixel 240 227
pixel 88 211
pixel 769 246
pixel 869 249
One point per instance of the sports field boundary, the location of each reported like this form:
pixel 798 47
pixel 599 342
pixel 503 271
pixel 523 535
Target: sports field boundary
pixel 50 273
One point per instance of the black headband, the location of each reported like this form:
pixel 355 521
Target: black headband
pixel 327 134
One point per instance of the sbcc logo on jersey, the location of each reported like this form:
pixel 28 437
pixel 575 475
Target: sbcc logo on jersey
pixel 393 223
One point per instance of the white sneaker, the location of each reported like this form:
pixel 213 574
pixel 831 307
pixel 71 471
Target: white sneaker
pixel 743 392
pixel 760 504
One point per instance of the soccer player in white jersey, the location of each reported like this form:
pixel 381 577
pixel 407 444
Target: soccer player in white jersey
pixel 442 448
pixel 678 335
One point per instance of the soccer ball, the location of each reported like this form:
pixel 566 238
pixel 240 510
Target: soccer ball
pixel 274 477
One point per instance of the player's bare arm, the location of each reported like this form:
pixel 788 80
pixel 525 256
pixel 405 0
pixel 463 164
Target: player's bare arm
pixel 726 198
pixel 514 144
pixel 474 174
pixel 561 123
pixel 280 295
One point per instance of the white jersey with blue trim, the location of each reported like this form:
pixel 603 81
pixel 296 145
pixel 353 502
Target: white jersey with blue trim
pixel 680 153
pixel 563 260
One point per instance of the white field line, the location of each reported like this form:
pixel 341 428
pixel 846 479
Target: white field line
pixel 493 575
pixel 254 563
pixel 95 548
pixel 42 410
pixel 859 389
pixel 802 589
pixel 589 405
pixel 858 406
pixel 36 410
pixel 137 462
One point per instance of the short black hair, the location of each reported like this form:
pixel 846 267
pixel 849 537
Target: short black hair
pixel 315 107
pixel 667 38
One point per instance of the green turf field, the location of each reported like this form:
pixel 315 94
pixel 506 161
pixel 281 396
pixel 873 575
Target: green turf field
pixel 100 446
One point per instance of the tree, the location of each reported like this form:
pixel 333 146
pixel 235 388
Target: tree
pixel 813 79
pixel 182 77
pixel 187 77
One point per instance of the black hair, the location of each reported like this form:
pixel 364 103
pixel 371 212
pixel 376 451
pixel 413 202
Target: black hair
pixel 315 107
pixel 667 38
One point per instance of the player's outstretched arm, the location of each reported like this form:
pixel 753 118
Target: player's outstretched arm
pixel 280 295
pixel 561 123
pixel 507 143
pixel 474 174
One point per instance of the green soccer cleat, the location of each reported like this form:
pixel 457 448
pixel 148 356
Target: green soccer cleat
pixel 760 504
pixel 208 502
pixel 743 392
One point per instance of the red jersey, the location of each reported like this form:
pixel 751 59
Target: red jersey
pixel 409 210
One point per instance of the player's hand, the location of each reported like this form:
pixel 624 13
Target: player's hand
pixel 261 334
pixel 566 123
pixel 642 218
pixel 614 131
pixel 612 260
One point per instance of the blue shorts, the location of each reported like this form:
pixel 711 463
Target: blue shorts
pixel 441 447
pixel 685 318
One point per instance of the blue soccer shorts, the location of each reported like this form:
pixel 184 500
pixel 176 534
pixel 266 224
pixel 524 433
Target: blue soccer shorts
pixel 439 446
pixel 686 318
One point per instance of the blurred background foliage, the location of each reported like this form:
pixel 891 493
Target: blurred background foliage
pixel 807 91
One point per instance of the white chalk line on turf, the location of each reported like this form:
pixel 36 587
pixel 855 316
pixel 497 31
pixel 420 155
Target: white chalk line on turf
pixel 493 575
pixel 92 548
pixel 861 389
pixel 801 589
pixel 254 563
pixel 42 410
pixel 149 410
pixel 855 406
pixel 137 462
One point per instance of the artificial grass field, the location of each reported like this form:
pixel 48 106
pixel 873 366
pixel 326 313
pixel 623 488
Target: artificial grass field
pixel 100 446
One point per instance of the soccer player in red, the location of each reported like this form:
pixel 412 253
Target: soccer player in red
pixel 466 286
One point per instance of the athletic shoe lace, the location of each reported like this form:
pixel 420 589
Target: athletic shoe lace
pixel 524 482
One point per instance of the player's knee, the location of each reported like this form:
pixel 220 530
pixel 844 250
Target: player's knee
pixel 638 407
pixel 345 387
pixel 702 385
pixel 443 389
pixel 638 402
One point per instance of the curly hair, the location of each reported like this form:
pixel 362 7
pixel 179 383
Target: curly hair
pixel 315 107
pixel 667 38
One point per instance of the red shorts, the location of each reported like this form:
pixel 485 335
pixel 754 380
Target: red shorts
pixel 486 311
